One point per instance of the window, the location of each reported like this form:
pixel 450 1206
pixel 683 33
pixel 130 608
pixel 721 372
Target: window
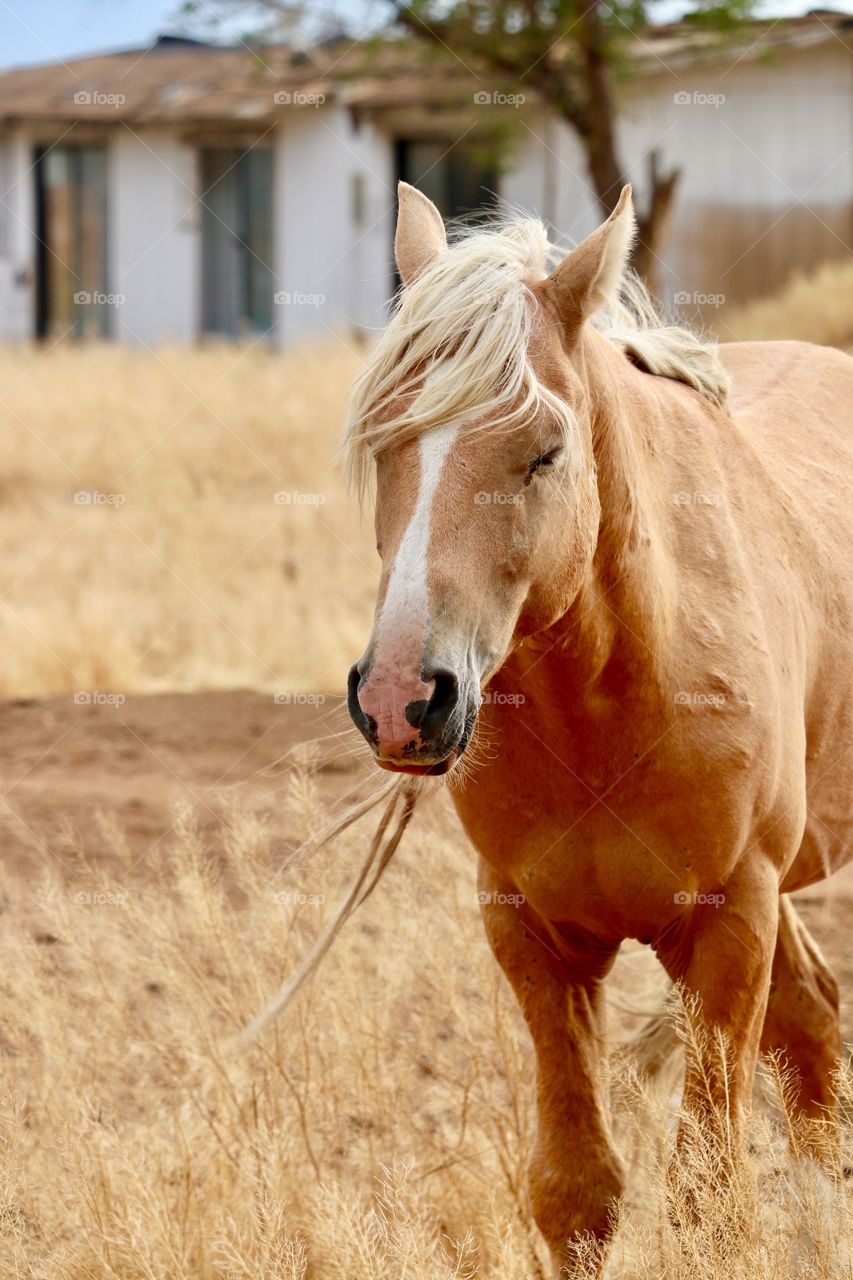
pixel 457 181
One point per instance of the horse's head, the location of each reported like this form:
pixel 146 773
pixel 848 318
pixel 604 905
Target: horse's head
pixel 475 409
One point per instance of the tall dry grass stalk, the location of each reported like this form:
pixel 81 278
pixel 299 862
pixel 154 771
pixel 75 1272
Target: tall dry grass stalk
pixel 380 1131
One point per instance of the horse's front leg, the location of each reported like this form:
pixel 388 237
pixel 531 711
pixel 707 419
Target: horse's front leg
pixel 576 1177
pixel 722 954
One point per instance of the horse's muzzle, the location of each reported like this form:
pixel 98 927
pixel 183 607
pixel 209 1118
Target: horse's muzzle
pixel 425 735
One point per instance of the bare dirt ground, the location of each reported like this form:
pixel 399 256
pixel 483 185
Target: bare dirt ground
pixel 69 768
pixel 101 768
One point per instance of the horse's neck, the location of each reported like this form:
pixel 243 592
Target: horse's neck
pixel 620 622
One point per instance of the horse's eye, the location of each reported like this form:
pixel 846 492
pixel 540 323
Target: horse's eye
pixel 544 460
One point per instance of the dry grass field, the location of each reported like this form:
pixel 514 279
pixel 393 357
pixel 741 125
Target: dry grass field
pixel 381 1130
pixel 813 308
pixel 156 887
pixel 172 519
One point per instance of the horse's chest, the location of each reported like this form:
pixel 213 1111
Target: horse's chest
pixel 587 831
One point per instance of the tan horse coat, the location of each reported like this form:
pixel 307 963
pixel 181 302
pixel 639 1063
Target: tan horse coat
pixel 668 726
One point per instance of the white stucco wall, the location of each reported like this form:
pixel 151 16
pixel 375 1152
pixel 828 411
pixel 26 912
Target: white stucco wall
pixel 154 238
pixel 331 274
pixel 754 131
pixel 758 143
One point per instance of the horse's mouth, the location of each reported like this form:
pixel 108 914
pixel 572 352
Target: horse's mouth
pixel 421 770
pixel 438 767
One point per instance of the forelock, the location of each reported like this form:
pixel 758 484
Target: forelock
pixel 457 347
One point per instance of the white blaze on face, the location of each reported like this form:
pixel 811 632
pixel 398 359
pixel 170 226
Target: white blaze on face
pixel 402 627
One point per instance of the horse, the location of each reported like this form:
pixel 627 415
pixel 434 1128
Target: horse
pixel 615 615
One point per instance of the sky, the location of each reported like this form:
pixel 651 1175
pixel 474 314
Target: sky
pixel 34 31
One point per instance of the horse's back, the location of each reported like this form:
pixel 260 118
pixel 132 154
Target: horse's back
pixel 798 395
pixel 792 404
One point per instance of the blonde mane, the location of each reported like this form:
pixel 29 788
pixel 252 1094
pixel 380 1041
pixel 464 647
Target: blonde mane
pixel 456 347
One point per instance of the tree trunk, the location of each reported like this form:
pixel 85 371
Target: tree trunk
pixel 585 102
pixel 605 171
pixel 654 223
pixel 598 137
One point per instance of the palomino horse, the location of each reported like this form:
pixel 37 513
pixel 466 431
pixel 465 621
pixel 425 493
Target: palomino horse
pixel 626 555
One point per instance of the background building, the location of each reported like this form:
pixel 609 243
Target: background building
pixel 187 189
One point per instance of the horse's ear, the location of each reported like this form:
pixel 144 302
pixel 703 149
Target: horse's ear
pixel 420 234
pixel 592 273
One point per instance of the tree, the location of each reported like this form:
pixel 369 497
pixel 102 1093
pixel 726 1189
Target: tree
pixel 569 51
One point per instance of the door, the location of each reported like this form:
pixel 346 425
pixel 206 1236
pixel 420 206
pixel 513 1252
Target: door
pixel 71 258
pixel 236 238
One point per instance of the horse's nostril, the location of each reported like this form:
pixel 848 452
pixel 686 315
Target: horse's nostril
pixel 445 692
pixel 432 716
pixel 365 723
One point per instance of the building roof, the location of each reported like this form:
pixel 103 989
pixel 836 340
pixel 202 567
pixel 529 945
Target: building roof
pixel 180 80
